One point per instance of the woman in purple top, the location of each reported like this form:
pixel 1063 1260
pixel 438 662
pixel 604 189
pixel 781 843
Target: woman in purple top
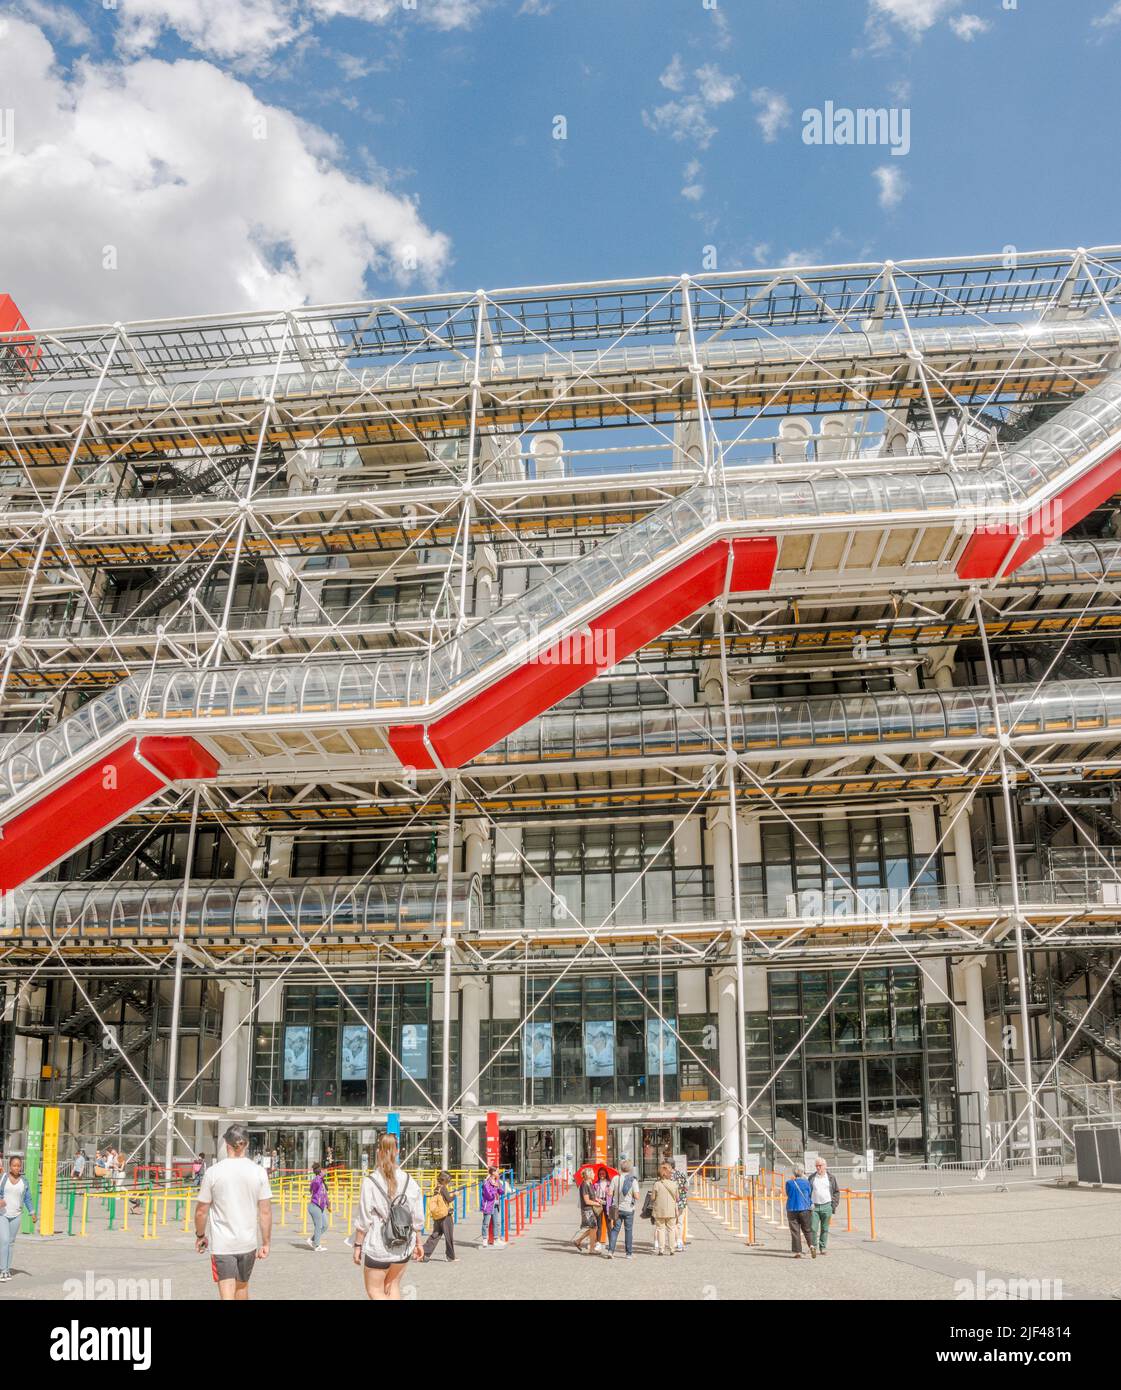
pixel 490 1199
pixel 318 1207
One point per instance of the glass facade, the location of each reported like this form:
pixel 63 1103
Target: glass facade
pixel 324 1054
pixel 595 1040
pixel 823 857
pixel 874 1068
pixel 594 869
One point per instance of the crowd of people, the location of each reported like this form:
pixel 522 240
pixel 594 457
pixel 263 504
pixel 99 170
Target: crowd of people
pixel 233 1213
pixel 609 1203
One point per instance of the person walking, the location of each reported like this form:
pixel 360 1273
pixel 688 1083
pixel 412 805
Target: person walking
pixel 441 1208
pixel 198 1167
pixel 799 1205
pixel 15 1199
pixel 233 1218
pixel 590 1208
pixel 625 1194
pixel 494 1189
pixel 390 1220
pixel 78 1167
pixel 825 1196
pixel 665 1212
pixel 319 1204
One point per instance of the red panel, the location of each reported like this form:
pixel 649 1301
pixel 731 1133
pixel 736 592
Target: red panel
pixel 179 758
pixel 92 801
pixel 407 742
pixel 1079 500
pixel 11 338
pixel 987 550
pixel 573 661
pixel 753 564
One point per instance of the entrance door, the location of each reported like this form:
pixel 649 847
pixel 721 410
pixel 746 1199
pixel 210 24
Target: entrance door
pixel 695 1142
pixel 657 1143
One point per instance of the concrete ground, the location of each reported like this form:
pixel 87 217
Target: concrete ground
pixel 928 1248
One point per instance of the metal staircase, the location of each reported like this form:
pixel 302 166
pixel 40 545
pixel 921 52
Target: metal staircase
pixel 131 1039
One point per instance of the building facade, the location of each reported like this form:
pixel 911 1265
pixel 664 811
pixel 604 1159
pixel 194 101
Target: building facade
pixel 697 701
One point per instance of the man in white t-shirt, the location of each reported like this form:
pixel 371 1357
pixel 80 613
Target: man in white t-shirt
pixel 234 1216
pixel 15 1198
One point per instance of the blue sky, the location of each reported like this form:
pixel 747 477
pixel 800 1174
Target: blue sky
pixel 426 135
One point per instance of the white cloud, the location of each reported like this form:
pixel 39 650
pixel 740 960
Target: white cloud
pixel 693 189
pixel 715 87
pixel 687 119
pixel 237 30
pixel 57 20
pixel 891 183
pixel 774 112
pixel 1111 17
pixel 968 26
pixel 673 79
pixel 158 166
pixel 249 31
pixel 913 16
pixel 541 7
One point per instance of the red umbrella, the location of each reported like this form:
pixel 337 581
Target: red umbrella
pixel 591 1169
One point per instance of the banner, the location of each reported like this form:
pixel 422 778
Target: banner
pixel 297 1053
pixel 32 1163
pixel 599 1048
pixel 537 1050
pixel 493 1146
pixel 356 1052
pixel 661 1047
pixel 414 1050
pixel 601 1136
pixel 46 1207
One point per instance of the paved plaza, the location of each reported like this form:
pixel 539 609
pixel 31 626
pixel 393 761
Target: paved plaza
pixel 929 1248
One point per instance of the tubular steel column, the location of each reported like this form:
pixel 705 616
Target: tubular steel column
pixel 738 931
pixel 177 990
pixel 1013 871
pixel 449 942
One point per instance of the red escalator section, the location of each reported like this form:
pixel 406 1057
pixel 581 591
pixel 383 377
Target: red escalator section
pixel 95 799
pixel 573 661
pixel 987 548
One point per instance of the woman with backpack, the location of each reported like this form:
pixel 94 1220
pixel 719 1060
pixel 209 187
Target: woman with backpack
pixel 441 1208
pixel 390 1218
pixel 625 1201
pixel 319 1204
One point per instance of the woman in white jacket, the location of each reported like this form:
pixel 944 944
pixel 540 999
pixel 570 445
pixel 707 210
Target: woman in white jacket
pixel 384 1263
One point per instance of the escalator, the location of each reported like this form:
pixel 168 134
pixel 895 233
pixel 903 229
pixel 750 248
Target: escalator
pixel 441 709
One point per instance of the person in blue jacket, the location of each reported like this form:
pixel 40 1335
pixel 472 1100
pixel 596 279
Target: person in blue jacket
pixel 799 1205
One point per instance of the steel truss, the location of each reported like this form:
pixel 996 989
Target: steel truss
pixel 322 432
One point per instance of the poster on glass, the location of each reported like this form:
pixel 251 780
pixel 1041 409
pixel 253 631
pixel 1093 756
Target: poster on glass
pixel 414 1050
pixel 297 1053
pixel 356 1051
pixel 537 1049
pixel 661 1047
pixel 599 1048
